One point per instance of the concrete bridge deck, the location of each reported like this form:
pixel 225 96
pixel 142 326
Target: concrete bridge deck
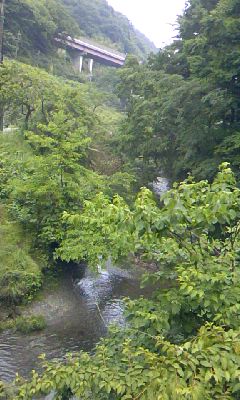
pixel 83 47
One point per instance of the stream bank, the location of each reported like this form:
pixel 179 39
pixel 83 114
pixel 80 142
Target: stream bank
pixel 77 309
pixel 77 312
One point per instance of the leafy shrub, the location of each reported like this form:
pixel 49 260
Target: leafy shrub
pixel 24 324
pixel 20 275
pixel 30 324
pixel 184 342
pixel 8 324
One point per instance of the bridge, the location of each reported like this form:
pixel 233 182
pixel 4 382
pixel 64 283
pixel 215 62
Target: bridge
pixel 84 48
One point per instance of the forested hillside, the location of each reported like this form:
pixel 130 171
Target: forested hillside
pixel 98 20
pixel 183 107
pixel 56 157
pixel 69 167
pixel 31 25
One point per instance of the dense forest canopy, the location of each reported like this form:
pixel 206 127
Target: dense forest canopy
pixel 31 25
pixel 183 106
pixel 188 331
pixel 97 19
pixel 68 171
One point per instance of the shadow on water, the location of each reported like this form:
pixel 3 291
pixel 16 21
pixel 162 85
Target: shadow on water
pixel 77 313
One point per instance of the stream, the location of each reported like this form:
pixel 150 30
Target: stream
pixel 77 313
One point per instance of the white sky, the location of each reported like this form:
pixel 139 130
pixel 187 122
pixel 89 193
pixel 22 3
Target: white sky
pixel 154 18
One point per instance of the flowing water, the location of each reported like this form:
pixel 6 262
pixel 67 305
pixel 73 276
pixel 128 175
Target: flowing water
pixel 160 185
pixel 77 312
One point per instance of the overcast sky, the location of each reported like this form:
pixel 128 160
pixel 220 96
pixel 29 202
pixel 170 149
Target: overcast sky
pixel 154 18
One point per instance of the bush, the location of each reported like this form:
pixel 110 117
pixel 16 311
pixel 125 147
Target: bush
pixel 184 342
pixel 8 324
pixel 20 275
pixel 24 324
pixel 30 324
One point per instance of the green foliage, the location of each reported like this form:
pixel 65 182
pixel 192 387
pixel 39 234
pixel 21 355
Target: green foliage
pixel 195 234
pixel 98 20
pixel 49 169
pixel 35 93
pixel 184 342
pixel 206 367
pixel 31 25
pixel 20 274
pixel 183 106
pixel 25 325
pixel 182 115
pixel 34 323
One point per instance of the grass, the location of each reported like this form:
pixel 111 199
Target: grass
pixel 34 323
pixel 20 274
pixel 24 325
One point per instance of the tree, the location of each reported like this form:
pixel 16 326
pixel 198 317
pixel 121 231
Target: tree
pixel 2 3
pixel 58 120
pixel 187 332
pixel 32 26
pixel 99 20
pixel 183 105
pixel 20 273
pixel 1 29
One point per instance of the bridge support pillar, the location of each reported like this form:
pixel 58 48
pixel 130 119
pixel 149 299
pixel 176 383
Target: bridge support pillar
pixel 90 65
pixel 80 63
pixel 77 60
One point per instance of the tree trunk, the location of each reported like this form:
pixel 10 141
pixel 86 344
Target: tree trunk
pixel 1 117
pixel 2 3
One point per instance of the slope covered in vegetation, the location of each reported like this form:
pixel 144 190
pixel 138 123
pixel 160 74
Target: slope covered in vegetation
pixel 182 115
pixel 99 20
pixel 20 274
pixel 31 25
pixel 187 332
pixel 58 157
pixel 183 107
